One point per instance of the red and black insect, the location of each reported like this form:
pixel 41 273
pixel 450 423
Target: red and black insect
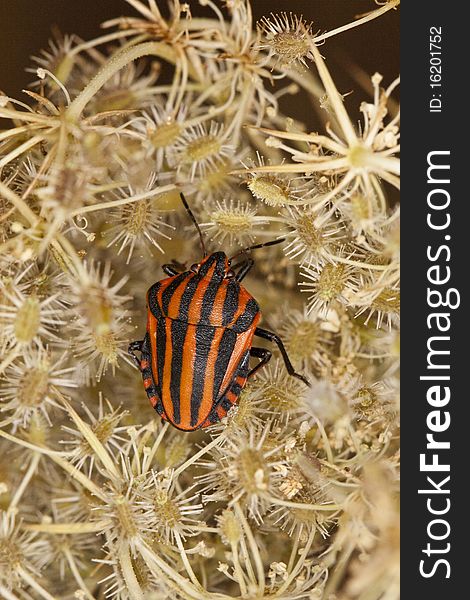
pixel 200 327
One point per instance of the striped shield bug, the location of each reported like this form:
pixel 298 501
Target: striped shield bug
pixel 200 326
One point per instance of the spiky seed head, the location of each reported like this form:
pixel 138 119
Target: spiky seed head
pixel 288 37
pixel 230 528
pixel 271 189
pixel 165 134
pixel 27 321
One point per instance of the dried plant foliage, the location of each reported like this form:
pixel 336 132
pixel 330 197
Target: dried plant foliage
pixel 295 494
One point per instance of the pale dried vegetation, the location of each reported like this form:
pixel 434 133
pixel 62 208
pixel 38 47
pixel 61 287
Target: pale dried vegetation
pixel 295 494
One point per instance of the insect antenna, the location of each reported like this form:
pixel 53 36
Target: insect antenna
pixel 270 243
pixel 193 219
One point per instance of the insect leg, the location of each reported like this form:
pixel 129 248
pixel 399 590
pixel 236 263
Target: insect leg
pixel 272 337
pixel 245 268
pixel 133 347
pixel 170 270
pixel 262 353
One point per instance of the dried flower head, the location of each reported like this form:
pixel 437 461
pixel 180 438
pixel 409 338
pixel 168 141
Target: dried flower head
pixel 280 395
pixel 288 38
pixel 305 336
pixel 105 426
pixel 327 285
pixel 137 224
pixel 28 320
pixel 22 555
pixel 171 512
pixel 244 468
pixel 160 129
pixel 275 189
pixel 29 383
pixel 313 237
pixel 100 322
pixel 199 149
pixel 232 221
pixel 58 58
pixel 378 301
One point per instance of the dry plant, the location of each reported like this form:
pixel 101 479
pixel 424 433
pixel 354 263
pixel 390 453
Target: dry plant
pixel 295 494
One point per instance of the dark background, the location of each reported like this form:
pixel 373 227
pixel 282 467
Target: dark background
pixel 27 24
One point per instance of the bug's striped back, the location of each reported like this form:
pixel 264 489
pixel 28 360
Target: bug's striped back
pixel 208 299
pixel 192 366
pixel 200 327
